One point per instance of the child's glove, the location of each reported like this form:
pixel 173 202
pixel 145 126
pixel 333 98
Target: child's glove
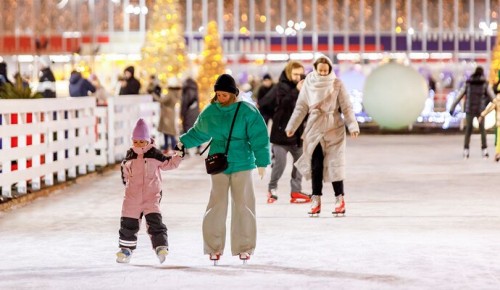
pixel 180 150
pixel 262 171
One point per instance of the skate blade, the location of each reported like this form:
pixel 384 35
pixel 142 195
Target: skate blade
pixel 339 214
pixel 314 214
pixel 296 200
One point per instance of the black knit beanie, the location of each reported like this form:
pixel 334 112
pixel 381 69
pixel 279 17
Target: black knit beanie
pixel 226 83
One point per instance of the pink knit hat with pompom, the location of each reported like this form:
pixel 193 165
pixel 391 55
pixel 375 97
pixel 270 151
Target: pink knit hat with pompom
pixel 141 131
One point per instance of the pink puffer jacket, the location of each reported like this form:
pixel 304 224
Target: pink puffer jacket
pixel 142 178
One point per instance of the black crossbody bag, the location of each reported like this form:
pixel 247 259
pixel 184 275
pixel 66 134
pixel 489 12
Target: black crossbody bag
pixel 217 163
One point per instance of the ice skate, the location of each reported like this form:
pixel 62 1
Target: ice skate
pixel 497 157
pixel 124 255
pixel 339 206
pixel 244 257
pixel 272 196
pixel 299 197
pixel 485 153
pixel 162 252
pixel 466 154
pixel 315 206
pixel 215 257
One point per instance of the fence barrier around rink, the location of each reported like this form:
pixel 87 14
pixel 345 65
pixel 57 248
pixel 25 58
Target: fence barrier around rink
pixel 45 141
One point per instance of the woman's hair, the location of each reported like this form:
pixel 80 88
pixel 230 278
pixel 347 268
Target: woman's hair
pixel 290 66
pixel 214 99
pixel 323 60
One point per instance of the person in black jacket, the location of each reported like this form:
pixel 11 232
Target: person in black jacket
pixel 265 87
pixel 131 86
pixel 281 99
pixel 479 94
pixel 47 81
pixel 3 74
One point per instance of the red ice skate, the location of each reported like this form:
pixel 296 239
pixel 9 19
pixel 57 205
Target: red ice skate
pixel 272 196
pixel 339 205
pixel 215 257
pixel 244 257
pixel 299 197
pixel 315 206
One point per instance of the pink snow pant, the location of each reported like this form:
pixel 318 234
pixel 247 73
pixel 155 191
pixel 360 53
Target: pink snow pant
pixel 243 223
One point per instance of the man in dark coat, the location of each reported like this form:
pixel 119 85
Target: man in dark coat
pixel 266 86
pixel 79 86
pixel 478 94
pixel 282 98
pixel 131 84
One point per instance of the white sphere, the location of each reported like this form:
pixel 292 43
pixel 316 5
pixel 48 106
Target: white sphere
pixel 394 95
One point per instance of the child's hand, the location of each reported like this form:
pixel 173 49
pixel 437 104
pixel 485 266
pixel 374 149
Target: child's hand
pixel 180 150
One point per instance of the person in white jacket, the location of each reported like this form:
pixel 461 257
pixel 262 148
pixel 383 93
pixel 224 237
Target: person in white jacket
pixel 494 105
pixel 325 98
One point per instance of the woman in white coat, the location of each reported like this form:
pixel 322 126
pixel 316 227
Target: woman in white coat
pixel 325 98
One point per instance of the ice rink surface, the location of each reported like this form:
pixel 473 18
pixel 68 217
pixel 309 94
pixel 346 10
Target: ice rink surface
pixel 418 217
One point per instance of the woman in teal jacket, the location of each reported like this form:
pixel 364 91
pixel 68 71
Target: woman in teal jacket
pixel 248 149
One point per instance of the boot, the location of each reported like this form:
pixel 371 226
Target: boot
pixel 272 196
pixel 466 153
pixel 299 197
pixel 339 205
pixel 162 252
pixel 124 255
pixel 315 205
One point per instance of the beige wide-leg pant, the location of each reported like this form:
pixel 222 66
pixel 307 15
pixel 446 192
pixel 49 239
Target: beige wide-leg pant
pixel 243 223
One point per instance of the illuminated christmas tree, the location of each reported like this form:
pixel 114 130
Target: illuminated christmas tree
pixel 212 64
pixel 495 61
pixel 163 53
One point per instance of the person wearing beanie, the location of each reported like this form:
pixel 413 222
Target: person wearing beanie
pixel 142 179
pixel 248 149
pixel 330 112
pixel 479 93
pixel 47 81
pixel 168 119
pixel 265 87
pixel 131 86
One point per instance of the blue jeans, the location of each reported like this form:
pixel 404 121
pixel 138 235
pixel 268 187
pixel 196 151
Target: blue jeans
pixel 170 142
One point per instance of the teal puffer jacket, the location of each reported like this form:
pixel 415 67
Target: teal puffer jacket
pixel 249 146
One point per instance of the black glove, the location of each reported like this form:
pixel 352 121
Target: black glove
pixel 180 150
pixel 451 112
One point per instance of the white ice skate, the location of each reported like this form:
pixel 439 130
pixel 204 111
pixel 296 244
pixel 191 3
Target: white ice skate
pixel 339 206
pixel 124 255
pixel 162 252
pixel 466 154
pixel 485 153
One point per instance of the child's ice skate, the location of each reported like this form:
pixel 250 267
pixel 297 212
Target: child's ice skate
pixel 215 258
pixel 485 153
pixel 162 252
pixel 244 257
pixel 315 206
pixel 124 255
pixel 339 206
pixel 466 154
pixel 272 196
pixel 299 197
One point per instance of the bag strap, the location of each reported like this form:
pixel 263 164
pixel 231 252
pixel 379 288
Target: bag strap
pixel 230 132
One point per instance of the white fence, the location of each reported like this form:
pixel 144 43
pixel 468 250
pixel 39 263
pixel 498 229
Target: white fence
pixel 46 139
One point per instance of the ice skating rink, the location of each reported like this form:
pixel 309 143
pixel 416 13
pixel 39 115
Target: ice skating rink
pixel 418 217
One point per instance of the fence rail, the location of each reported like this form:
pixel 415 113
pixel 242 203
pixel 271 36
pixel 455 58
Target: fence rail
pixel 44 141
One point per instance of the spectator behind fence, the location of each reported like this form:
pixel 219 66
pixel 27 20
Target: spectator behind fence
pixel 47 81
pixel 131 85
pixel 100 92
pixel 79 86
pixel 3 74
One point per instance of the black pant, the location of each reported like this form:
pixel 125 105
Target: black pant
pixel 317 174
pixel 129 227
pixel 468 131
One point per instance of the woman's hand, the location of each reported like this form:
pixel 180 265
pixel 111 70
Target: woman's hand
pixel 289 134
pixel 354 134
pixel 300 84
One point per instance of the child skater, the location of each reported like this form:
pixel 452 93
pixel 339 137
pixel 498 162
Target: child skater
pixel 495 104
pixel 142 178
